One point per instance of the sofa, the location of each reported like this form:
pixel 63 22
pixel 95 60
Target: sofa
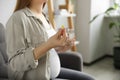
pixel 71 60
pixel 3 55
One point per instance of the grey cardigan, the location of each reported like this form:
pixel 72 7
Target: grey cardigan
pixel 24 32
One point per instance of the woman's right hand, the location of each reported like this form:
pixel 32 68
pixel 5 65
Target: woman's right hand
pixel 58 40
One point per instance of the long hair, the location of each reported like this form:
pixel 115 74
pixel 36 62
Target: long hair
pixel 22 4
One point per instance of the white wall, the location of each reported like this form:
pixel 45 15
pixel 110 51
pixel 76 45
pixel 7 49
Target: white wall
pixel 95 39
pixel 92 37
pixel 83 27
pixel 6 9
pixel 98 32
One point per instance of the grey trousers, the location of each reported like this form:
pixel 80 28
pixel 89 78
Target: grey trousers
pixel 70 74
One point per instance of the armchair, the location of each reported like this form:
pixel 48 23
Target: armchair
pixel 71 60
pixel 3 55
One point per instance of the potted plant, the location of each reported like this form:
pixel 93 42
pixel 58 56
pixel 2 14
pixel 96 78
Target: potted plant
pixel 116 25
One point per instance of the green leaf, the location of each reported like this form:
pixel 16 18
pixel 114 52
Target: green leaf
pixel 117 41
pixel 117 36
pixel 94 18
pixel 112 24
pixel 116 5
pixel 109 9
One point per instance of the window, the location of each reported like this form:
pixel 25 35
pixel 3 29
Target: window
pixel 117 1
pixel 114 1
pixel 116 12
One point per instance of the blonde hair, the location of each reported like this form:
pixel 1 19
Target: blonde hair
pixel 22 4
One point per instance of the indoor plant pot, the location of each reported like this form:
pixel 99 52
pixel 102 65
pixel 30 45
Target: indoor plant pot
pixel 116 25
pixel 117 57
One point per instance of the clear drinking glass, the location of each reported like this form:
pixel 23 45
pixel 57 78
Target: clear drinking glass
pixel 71 34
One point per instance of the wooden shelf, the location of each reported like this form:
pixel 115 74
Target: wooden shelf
pixel 51 12
pixel 64 14
pixel 68 12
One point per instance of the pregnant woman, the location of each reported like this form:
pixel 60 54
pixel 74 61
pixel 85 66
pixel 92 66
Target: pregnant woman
pixel 32 44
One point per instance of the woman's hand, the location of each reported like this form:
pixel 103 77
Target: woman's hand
pixel 58 40
pixel 68 45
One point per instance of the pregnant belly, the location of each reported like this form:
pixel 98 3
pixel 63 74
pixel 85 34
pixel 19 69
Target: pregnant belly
pixel 54 64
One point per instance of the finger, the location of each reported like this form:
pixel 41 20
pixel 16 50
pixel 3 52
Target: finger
pixel 59 31
pixel 71 40
pixel 65 34
pixel 64 39
pixel 58 34
pixel 62 32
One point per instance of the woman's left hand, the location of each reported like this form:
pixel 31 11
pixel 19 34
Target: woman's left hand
pixel 68 45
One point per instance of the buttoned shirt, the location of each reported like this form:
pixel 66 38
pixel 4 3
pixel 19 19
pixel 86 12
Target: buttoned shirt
pixel 24 32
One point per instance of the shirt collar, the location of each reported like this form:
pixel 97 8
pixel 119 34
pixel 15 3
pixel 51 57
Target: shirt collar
pixel 28 12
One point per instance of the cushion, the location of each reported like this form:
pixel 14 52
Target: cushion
pixel 3 67
pixel 2 33
pixel 3 43
pixel 1 60
pixel 3 51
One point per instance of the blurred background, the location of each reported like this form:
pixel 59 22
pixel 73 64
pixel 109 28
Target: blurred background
pixel 96 25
